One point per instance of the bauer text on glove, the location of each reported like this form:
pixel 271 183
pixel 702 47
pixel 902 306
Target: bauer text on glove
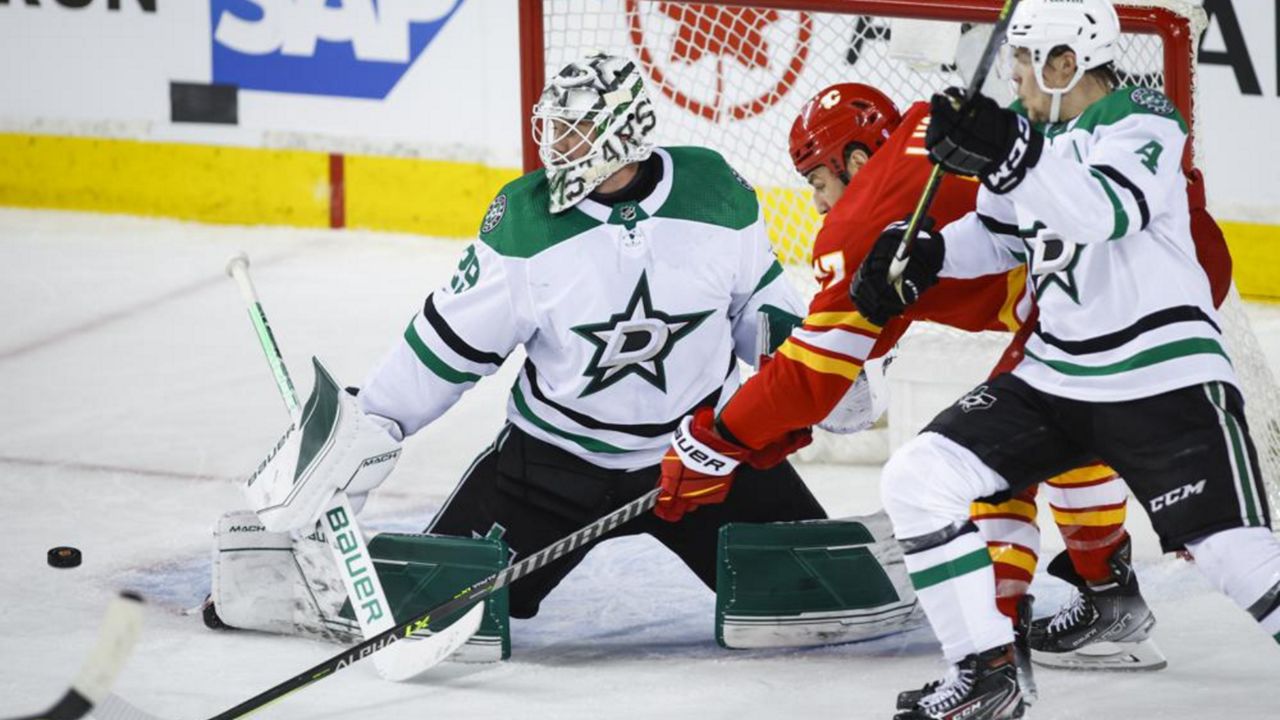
pixel 699 467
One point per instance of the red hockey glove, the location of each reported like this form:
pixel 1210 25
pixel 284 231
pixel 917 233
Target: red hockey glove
pixel 698 469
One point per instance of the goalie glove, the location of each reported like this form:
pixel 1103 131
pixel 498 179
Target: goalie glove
pixel 699 467
pixel 338 448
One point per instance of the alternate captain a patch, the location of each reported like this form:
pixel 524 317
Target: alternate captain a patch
pixel 635 341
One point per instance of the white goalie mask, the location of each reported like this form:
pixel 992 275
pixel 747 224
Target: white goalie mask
pixel 593 118
pixel 1090 28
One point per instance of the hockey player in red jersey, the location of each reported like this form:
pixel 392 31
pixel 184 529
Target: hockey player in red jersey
pixel 866 164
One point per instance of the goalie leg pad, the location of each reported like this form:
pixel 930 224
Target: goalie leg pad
pixel 814 582
pixel 338 447
pixel 266 581
pixel 420 571
pixel 269 582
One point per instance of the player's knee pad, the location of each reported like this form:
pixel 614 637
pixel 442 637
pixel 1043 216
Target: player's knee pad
pixel 1244 563
pixel 929 483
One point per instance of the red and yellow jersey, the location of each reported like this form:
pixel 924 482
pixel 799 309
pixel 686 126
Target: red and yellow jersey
pixel 814 367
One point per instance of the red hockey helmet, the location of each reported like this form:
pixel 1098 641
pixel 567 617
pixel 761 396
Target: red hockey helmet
pixel 841 115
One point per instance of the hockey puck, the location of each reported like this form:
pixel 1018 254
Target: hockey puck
pixel 64 556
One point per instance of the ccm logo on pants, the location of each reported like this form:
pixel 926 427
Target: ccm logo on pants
pixel 1161 502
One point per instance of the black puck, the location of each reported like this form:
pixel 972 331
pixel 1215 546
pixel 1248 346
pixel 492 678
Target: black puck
pixel 64 556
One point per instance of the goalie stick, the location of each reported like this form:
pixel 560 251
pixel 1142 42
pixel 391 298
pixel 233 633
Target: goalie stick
pixel 935 176
pixel 117 709
pixel 116 639
pixel 404 661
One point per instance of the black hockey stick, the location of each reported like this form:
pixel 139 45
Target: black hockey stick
pixel 935 177
pixel 115 644
pixel 432 618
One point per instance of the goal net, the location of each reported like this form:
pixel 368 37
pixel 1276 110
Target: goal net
pixel 733 75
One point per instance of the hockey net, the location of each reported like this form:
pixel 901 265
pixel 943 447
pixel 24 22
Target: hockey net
pixel 733 75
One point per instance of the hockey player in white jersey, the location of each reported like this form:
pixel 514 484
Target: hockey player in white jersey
pixel 1126 363
pixel 636 278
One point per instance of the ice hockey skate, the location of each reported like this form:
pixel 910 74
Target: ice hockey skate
pixel 1106 626
pixel 982 686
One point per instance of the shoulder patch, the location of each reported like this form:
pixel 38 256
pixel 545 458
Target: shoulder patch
pixel 497 209
pixel 1152 100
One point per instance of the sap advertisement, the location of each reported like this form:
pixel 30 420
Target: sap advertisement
pixel 440 79
pixel 433 78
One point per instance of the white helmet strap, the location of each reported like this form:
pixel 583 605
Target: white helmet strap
pixel 1055 94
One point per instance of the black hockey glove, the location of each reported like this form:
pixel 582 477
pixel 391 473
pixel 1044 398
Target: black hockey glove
pixel 875 297
pixel 978 137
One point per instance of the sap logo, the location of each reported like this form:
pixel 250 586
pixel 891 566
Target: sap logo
pixel 1160 502
pixel 346 48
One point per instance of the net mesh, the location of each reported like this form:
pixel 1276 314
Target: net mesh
pixel 734 77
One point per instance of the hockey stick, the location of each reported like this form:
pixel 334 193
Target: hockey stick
pixel 980 74
pixel 116 639
pixel 342 533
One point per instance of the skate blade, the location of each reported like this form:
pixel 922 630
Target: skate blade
pixel 1141 656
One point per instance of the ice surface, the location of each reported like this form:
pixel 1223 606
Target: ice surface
pixel 134 394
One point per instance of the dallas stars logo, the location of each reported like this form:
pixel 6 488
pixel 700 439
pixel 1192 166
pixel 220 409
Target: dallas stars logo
pixel 1053 262
pixel 635 341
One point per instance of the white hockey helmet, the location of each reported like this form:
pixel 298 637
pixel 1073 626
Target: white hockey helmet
pixel 593 118
pixel 1090 28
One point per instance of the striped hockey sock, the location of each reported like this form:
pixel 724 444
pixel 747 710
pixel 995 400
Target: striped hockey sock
pixel 1013 540
pixel 956 587
pixel 1089 506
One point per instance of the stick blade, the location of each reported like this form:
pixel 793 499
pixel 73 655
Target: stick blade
pixel 409 657
pixel 120 629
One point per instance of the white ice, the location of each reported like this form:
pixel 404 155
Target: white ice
pixel 134 394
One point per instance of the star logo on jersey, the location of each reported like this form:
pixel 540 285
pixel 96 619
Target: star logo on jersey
pixel 635 341
pixel 1052 262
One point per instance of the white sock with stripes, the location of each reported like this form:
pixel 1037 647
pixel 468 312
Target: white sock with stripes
pixel 956 587
pixel 926 488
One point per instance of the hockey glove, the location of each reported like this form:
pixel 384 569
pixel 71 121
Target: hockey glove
pixel 978 137
pixel 699 467
pixel 877 298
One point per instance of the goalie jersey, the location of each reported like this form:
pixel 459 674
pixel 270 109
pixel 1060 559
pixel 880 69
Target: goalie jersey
pixel 631 315
pixel 1101 223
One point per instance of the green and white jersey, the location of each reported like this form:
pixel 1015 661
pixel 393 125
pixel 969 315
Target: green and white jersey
pixel 1101 223
pixel 631 315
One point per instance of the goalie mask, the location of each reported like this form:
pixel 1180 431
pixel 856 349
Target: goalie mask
pixel 593 118
pixel 841 115
pixel 1090 28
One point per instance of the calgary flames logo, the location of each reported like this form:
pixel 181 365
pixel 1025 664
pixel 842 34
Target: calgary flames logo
pixel 720 55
